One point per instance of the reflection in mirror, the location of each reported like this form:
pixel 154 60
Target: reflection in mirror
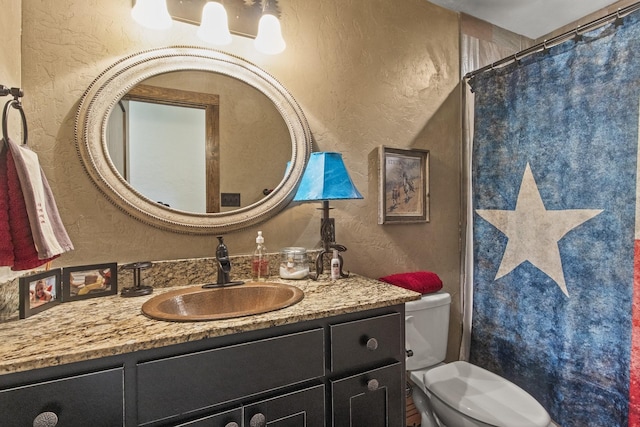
pixel 183 138
pixel 260 128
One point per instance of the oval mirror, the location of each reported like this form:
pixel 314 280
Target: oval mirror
pixel 233 158
pixel 193 140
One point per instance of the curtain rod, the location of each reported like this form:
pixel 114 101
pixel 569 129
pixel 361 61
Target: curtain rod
pixel 546 44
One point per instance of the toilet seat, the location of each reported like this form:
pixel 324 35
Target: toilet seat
pixel 484 396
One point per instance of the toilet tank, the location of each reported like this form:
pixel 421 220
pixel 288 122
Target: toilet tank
pixel 427 330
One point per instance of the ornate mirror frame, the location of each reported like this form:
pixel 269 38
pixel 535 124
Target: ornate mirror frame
pixel 111 85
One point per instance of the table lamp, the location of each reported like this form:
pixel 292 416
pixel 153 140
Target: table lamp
pixel 326 178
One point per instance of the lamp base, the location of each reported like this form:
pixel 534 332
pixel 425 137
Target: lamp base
pixel 329 251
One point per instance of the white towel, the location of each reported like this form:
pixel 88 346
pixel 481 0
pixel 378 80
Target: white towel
pixel 49 234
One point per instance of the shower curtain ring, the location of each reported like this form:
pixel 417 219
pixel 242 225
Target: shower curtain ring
pixel 545 48
pixel 516 59
pixel 618 21
pixel 578 36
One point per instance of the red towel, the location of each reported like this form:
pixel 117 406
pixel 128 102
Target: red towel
pixel 6 247
pixel 47 230
pixel 25 255
pixel 424 282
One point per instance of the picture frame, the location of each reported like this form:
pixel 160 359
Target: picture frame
pixel 39 292
pixel 89 281
pixel 403 185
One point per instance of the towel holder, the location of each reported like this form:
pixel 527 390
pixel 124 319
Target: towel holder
pixel 17 93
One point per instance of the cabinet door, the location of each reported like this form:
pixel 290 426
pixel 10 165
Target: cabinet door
pixel 93 399
pixel 304 408
pixel 370 399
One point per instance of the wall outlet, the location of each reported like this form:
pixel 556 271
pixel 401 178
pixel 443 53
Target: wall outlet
pixel 230 199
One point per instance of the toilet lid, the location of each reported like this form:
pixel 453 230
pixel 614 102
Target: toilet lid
pixel 485 396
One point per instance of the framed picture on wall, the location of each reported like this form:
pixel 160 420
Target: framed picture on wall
pixel 39 292
pixel 89 281
pixel 403 192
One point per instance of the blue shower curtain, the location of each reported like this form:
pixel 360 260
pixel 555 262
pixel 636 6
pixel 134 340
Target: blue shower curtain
pixel 554 183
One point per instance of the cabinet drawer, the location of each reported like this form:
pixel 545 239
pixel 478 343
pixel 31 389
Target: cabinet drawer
pixel 364 342
pixel 371 399
pixel 182 384
pixel 93 399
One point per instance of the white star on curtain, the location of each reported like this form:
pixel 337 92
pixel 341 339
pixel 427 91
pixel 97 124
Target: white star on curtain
pixel 533 232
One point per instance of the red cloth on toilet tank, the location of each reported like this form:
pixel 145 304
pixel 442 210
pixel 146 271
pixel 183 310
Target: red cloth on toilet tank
pixel 424 282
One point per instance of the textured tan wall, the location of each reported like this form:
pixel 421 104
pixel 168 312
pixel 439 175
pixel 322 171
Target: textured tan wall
pixel 366 73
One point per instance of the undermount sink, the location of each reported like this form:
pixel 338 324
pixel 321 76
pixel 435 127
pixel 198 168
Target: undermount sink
pixel 199 304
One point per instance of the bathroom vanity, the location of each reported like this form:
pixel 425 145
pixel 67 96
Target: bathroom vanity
pixel 334 359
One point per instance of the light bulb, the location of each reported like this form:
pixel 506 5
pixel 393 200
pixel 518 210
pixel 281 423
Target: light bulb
pixel 152 14
pixel 269 39
pixel 214 27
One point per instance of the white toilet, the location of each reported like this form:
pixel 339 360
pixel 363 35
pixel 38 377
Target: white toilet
pixel 458 394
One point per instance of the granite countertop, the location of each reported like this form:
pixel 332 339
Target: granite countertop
pixel 112 325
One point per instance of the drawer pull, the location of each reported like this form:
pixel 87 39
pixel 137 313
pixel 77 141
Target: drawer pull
pixel 232 424
pixel 45 419
pixel 258 420
pixel 409 353
pixel 372 385
pixel 372 344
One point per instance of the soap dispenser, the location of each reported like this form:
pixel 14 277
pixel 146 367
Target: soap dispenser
pixel 335 265
pixel 260 263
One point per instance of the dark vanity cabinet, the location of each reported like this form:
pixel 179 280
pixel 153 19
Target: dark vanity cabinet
pixel 345 370
pixel 366 352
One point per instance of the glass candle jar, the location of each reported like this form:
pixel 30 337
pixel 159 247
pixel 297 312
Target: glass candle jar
pixel 293 263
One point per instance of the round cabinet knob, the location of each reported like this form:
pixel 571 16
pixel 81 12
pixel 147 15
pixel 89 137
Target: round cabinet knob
pixel 232 424
pixel 372 344
pixel 45 419
pixel 409 353
pixel 372 385
pixel 258 420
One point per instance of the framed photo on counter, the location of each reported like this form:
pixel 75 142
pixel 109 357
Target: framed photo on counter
pixel 39 292
pixel 89 281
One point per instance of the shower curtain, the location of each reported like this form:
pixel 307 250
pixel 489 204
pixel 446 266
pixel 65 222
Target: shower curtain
pixel 555 225
pixel 475 54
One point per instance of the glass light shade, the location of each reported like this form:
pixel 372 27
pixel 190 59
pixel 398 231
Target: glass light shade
pixel 326 178
pixel 269 39
pixel 152 14
pixel 214 27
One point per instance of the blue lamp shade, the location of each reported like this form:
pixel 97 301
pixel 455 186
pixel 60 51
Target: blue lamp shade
pixel 326 178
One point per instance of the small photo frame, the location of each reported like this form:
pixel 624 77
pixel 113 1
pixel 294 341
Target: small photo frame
pixel 39 292
pixel 403 192
pixel 89 281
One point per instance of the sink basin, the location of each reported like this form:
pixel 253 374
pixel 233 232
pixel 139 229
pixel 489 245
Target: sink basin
pixel 198 304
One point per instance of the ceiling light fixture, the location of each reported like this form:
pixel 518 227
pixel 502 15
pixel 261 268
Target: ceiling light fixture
pixel 257 19
pixel 269 39
pixel 152 14
pixel 214 26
